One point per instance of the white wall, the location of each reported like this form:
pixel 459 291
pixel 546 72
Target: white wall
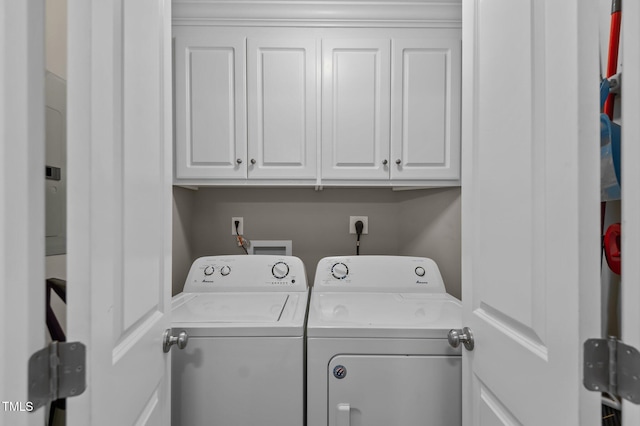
pixel 413 223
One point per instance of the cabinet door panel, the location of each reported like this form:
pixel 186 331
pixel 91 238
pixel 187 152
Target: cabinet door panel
pixel 355 108
pixel 282 108
pixel 425 113
pixel 210 104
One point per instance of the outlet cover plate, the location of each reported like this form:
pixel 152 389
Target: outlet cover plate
pixel 352 224
pixel 240 227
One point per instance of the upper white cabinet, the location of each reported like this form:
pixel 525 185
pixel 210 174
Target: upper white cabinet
pixel 391 107
pixel 245 106
pixel 425 108
pixel 355 108
pixel 317 93
pixel 282 107
pixel 210 104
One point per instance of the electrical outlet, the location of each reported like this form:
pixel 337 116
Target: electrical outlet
pixel 352 224
pixel 240 225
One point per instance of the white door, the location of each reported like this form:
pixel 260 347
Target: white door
pixel 119 208
pixel 530 219
pixel 630 98
pixel 21 204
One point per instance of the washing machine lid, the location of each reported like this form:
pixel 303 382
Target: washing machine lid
pixel 240 314
pixel 388 315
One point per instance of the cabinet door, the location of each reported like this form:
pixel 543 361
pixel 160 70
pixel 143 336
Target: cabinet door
pixel 282 112
pixel 425 112
pixel 355 108
pixel 210 103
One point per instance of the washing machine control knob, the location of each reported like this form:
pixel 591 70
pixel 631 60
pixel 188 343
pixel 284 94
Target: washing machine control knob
pixel 225 270
pixel 339 271
pixel 280 270
pixel 420 271
pixel 208 270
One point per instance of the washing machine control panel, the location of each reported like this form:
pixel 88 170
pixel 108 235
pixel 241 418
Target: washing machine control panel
pixel 378 273
pixel 246 273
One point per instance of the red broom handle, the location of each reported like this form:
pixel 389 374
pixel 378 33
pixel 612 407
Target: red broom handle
pixel 614 44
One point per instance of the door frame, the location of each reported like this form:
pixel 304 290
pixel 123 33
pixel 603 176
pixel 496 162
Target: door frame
pixel 22 229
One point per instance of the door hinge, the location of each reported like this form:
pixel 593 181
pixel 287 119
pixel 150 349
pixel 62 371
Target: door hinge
pixel 56 372
pixel 613 367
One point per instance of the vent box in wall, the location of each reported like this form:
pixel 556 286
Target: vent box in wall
pixel 273 247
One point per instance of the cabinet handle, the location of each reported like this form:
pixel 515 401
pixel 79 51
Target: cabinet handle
pixel 239 161
pixel 398 162
pixel 384 162
pixel 253 161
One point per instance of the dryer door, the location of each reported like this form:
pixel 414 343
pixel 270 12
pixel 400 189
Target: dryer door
pixel 382 390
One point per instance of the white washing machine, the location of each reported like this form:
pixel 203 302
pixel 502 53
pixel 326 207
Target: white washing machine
pixel 244 361
pixel 377 349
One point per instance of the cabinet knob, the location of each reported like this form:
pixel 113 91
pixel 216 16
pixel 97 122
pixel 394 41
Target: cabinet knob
pixel 384 162
pixel 253 161
pixel 398 162
pixel 239 161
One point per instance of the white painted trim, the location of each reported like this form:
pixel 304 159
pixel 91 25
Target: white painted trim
pixel 587 130
pixel 381 183
pixel 322 13
pixel 630 97
pixel 22 160
pixel 80 110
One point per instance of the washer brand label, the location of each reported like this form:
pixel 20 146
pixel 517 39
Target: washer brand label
pixel 339 372
pixel 422 282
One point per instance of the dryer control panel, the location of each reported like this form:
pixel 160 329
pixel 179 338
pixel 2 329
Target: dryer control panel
pixel 246 273
pixel 379 274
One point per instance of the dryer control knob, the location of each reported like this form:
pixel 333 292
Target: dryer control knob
pixel 225 270
pixel 339 271
pixel 280 270
pixel 420 271
pixel 208 270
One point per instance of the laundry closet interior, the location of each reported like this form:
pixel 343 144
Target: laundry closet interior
pixel 294 124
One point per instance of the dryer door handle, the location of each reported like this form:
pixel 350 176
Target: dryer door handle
pixel 343 415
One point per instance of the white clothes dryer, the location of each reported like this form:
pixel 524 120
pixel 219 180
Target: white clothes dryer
pixel 377 349
pixel 244 361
